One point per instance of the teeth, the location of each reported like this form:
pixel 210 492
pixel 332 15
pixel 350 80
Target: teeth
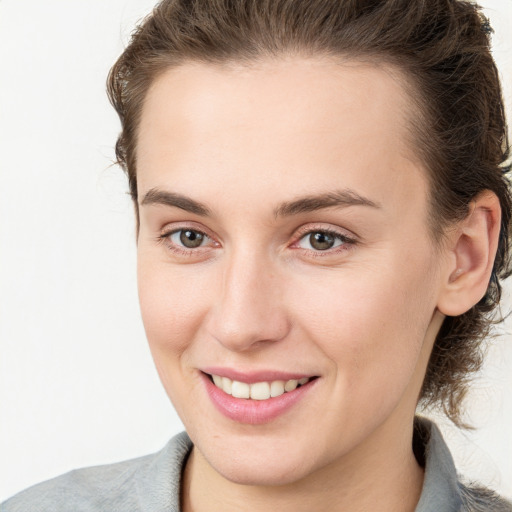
pixel 290 385
pixel 260 391
pixel 240 389
pixel 227 384
pixel 257 390
pixel 277 388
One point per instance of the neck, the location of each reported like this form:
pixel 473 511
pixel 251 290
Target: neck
pixel 382 475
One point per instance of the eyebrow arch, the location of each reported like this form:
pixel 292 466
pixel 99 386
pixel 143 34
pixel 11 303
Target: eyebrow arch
pixel 340 198
pixel 162 197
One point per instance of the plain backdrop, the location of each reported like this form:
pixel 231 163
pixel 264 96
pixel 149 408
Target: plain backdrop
pixel 77 384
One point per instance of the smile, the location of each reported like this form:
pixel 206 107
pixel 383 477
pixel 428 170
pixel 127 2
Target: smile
pixel 265 397
pixel 257 390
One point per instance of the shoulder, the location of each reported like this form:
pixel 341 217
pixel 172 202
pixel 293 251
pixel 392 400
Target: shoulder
pixel 122 486
pixel 86 489
pixel 443 488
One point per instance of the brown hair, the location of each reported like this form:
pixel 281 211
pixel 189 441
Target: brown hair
pixel 441 46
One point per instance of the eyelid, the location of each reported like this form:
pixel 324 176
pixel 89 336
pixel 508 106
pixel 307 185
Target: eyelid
pixel 172 238
pixel 174 227
pixel 324 228
pixel 349 239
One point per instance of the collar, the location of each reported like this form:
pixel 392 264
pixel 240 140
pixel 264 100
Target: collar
pixel 441 490
pixel 158 484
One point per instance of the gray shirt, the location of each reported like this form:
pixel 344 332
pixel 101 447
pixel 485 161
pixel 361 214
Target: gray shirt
pixel 152 483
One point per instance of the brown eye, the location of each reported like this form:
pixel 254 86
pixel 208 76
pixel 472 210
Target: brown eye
pixel 321 241
pixel 191 239
pixel 188 238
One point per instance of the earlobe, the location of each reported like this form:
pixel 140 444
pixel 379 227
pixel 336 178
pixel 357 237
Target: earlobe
pixel 473 244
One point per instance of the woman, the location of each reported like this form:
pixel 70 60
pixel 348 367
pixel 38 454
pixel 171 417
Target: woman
pixel 322 226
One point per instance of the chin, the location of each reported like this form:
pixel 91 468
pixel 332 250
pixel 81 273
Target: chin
pixel 268 474
pixel 258 462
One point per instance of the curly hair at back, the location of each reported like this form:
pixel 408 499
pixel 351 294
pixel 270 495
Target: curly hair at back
pixel 441 47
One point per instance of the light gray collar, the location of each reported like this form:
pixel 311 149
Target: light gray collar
pixel 158 483
pixel 441 490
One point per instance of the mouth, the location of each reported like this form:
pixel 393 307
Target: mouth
pixel 263 390
pixel 251 398
pixel 258 401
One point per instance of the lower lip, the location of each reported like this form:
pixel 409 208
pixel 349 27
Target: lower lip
pixel 254 412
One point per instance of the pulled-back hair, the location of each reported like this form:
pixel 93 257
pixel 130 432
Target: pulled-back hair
pixel 442 48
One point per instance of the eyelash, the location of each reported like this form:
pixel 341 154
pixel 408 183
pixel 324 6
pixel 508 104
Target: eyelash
pixel 165 238
pixel 346 241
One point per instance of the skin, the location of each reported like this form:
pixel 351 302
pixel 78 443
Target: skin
pixel 362 316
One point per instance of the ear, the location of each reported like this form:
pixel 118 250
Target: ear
pixel 472 248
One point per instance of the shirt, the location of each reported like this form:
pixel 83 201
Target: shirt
pixel 152 483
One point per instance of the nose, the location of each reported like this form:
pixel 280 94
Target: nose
pixel 249 312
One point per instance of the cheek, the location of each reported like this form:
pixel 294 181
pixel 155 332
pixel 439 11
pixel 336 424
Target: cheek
pixel 370 323
pixel 172 305
pixel 172 312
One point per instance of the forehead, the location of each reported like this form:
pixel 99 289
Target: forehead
pixel 301 122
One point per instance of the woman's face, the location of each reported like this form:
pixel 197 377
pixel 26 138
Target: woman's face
pixel 284 236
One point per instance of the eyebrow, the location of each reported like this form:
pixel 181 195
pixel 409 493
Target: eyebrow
pixel 340 198
pixel 162 197
pixel 311 203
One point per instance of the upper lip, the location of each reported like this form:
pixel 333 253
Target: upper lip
pixel 252 376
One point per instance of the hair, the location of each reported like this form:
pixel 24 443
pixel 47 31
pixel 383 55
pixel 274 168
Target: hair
pixel 441 47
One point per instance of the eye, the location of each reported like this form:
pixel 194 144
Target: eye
pixel 188 238
pixel 322 240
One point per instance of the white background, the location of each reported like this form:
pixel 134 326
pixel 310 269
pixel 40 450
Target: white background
pixel 77 384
